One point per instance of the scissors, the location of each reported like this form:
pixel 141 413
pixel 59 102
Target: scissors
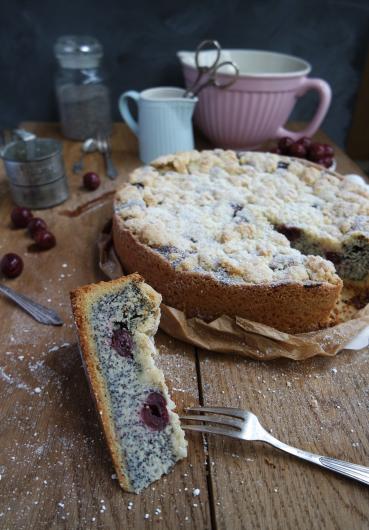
pixel 211 72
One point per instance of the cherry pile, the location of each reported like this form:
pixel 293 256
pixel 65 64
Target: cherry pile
pixel 322 154
pixel 11 265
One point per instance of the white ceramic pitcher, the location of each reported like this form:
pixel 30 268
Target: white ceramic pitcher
pixel 164 120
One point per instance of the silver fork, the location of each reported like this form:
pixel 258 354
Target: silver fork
pixel 244 425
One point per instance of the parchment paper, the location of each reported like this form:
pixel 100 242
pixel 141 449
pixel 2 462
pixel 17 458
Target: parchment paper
pixel 238 335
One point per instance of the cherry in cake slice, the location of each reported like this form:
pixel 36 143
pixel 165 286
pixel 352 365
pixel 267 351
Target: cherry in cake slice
pixel 116 322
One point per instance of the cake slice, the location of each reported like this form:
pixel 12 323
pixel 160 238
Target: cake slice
pixel 116 322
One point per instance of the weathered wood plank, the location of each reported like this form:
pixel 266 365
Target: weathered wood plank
pixel 320 405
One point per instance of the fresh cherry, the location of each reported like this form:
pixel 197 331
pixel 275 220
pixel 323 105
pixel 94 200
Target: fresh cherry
pixel 328 150
pixel 316 152
pixel 91 181
pixel 154 412
pixel 305 141
pixel 284 144
pixel 327 161
pixel 44 239
pixel 35 225
pixel 20 216
pixel 11 265
pixel 122 342
pixel 298 150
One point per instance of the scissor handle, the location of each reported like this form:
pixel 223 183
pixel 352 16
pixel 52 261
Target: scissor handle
pixel 212 79
pixel 207 44
pixel 215 81
pixel 202 69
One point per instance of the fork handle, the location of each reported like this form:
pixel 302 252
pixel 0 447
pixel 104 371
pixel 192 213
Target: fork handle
pixel 110 168
pixel 354 471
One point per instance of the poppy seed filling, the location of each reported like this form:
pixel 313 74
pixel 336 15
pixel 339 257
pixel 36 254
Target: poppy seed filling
pixel 148 452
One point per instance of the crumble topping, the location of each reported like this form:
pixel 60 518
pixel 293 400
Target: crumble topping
pixel 246 217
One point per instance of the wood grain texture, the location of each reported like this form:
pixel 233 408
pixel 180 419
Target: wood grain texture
pixel 309 405
pixel 55 469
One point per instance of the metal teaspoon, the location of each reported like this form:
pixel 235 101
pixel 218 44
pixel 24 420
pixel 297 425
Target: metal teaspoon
pixel 37 311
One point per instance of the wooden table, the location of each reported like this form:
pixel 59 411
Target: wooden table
pixel 55 469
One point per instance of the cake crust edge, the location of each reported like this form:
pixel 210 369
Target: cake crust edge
pixel 294 307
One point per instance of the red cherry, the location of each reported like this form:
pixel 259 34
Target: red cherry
pixel 297 150
pixel 327 161
pixel 328 150
pixel 35 225
pixel 91 181
pixel 122 342
pixel 44 239
pixel 20 216
pixel 284 144
pixel 316 152
pixel 305 141
pixel 11 265
pixel 154 412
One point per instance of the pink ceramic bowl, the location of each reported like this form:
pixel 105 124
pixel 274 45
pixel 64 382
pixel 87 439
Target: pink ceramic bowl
pixel 257 106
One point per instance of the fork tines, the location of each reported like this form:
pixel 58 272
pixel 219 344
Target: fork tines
pixel 231 421
pixel 227 411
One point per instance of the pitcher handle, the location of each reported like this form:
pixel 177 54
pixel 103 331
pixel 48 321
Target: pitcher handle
pixel 124 109
pixel 325 95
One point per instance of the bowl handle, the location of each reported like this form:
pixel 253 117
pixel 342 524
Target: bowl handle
pixel 325 95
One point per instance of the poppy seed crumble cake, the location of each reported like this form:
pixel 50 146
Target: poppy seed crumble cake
pixel 116 322
pixel 255 235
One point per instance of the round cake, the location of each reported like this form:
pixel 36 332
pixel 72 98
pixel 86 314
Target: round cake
pixel 254 235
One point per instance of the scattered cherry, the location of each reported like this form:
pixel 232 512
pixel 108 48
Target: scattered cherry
pixel 284 144
pixel 122 342
pixel 328 150
pixel 44 239
pixel 35 225
pixel 327 161
pixel 154 413
pixel 11 265
pixel 20 216
pixel 316 152
pixel 91 181
pixel 305 141
pixel 297 150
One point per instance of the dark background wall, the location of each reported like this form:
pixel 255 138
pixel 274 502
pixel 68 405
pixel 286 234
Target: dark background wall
pixel 141 38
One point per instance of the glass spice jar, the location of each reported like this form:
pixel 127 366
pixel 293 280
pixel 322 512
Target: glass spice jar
pixel 82 93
